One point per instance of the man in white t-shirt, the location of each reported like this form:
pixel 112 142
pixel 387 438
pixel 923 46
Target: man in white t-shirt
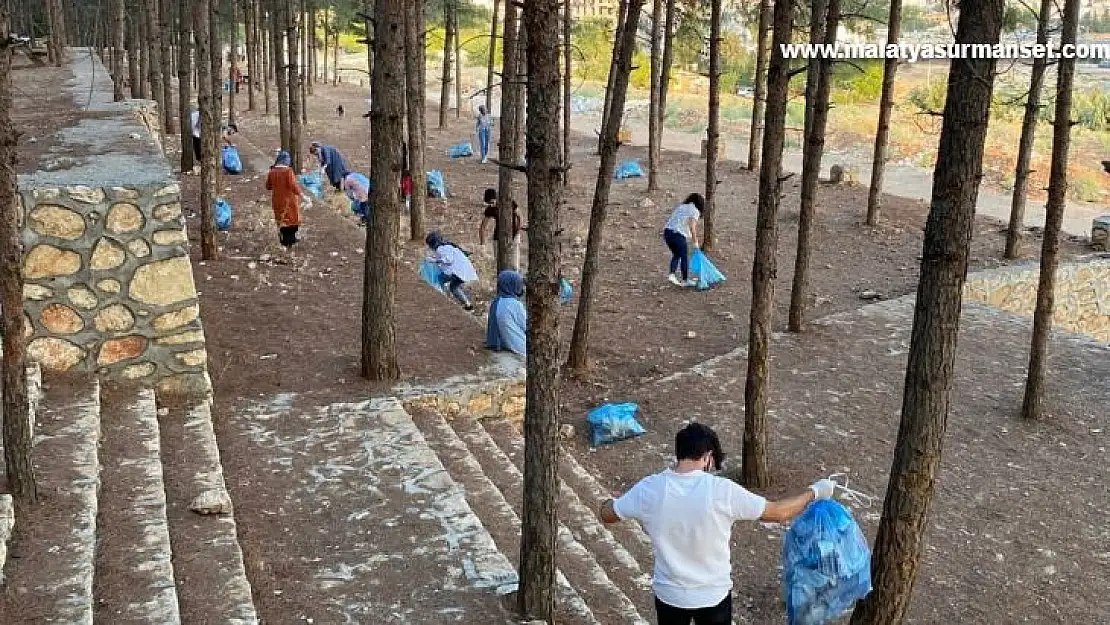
pixel 688 514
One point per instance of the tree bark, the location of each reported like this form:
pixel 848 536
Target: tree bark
pixel 1028 137
pixel 541 421
pixel 755 141
pixel 234 61
pixel 184 83
pixel 886 107
pixel 492 57
pixel 618 36
pixel 379 337
pixel 165 26
pixel 154 49
pixel 119 26
pixel 665 70
pixel 294 82
pixel 508 148
pixel 265 55
pixel 448 50
pixel 277 51
pixel 458 59
pixel 18 443
pixel 414 87
pixel 654 114
pixel 301 26
pixel 578 359
pixel 310 36
pixel 327 22
pixel 568 79
pixel 209 125
pixel 929 371
pixel 816 119
pixel 1031 407
pixel 134 60
pixel 756 472
pixel 143 43
pixel 713 128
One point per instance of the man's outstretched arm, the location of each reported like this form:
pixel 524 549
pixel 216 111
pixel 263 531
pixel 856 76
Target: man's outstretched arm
pixel 786 509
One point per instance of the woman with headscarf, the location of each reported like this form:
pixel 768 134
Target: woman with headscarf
pixel 286 198
pixel 331 161
pixel 454 267
pixel 507 327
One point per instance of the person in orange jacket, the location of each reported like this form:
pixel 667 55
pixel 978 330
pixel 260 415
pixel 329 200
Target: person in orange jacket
pixel 286 199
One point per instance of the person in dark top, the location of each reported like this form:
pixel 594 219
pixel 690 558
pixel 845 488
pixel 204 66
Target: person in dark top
pixel 491 214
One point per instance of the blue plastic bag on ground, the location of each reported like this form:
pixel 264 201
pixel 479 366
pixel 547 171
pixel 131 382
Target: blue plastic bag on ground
pixel 566 291
pixel 629 169
pixel 437 186
pixel 460 149
pixel 312 184
pixel 231 161
pixel 610 423
pixel 431 274
pixel 708 275
pixel 222 214
pixel 826 564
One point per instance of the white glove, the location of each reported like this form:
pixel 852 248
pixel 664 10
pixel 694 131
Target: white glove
pixel 823 489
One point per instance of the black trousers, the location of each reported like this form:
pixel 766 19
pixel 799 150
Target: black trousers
pixel 288 235
pixel 720 614
pixel 196 149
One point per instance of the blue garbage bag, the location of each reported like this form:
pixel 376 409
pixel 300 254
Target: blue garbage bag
pixel 566 291
pixel 826 564
pixel 629 169
pixel 431 274
pixel 222 213
pixel 232 163
pixel 460 150
pixel 313 184
pixel 707 273
pixel 610 423
pixel 437 186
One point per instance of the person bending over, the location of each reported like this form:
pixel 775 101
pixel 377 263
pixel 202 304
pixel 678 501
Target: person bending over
pixel 680 234
pixel 455 268
pixel 331 162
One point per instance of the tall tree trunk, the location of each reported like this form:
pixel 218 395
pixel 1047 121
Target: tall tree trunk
pixel 578 360
pixel 755 140
pixel 165 26
pixel 134 53
pixel 665 70
pixel 185 83
pixel 886 107
pixel 756 473
pixel 56 23
pixel 252 67
pixel 310 37
pixel 541 422
pixel 327 23
pixel 816 119
pixel 512 113
pixel 17 425
pixel 568 79
pixel 379 337
pixel 618 36
pixel 1028 137
pixel 936 323
pixel 154 47
pixel 119 34
pixel 713 128
pixel 277 51
pixel 654 113
pixel 448 49
pixel 294 82
pixel 414 88
pixel 817 13
pixel 267 58
pixel 234 61
pixel 335 56
pixel 492 57
pixel 302 67
pixel 143 43
pixel 458 59
pixel 209 125
pixel 1031 407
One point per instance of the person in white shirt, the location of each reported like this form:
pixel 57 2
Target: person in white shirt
pixel 680 234
pixel 453 265
pixel 688 513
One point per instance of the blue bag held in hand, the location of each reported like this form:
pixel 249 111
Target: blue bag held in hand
pixel 703 268
pixel 222 214
pixel 610 423
pixel 312 184
pixel 431 274
pixel 437 186
pixel 460 150
pixel 826 564
pixel 231 161
pixel 566 291
pixel 629 169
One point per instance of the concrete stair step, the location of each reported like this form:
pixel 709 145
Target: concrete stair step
pixel 134 581
pixel 606 600
pixel 207 560
pixel 49 576
pixel 490 505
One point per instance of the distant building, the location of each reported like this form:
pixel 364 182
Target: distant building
pixel 594 8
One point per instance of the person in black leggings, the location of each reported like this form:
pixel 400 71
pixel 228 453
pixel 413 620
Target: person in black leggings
pixel 680 234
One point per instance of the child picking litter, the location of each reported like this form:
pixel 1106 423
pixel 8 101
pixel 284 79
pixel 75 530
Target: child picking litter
pixel 286 199
pixel 680 234
pixel 455 268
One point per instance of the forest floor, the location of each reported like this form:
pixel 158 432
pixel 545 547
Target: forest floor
pixel 295 328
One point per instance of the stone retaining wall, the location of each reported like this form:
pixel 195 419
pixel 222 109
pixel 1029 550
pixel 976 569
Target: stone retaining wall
pixel 1082 302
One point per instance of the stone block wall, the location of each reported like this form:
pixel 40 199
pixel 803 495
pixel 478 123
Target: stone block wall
pixel 109 286
pixel 1082 302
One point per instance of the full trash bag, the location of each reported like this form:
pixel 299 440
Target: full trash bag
pixel 437 186
pixel 826 564
pixel 232 163
pixel 629 169
pixel 222 214
pixel 313 184
pixel 708 275
pixel 460 150
pixel 610 423
pixel 431 274
pixel 566 291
